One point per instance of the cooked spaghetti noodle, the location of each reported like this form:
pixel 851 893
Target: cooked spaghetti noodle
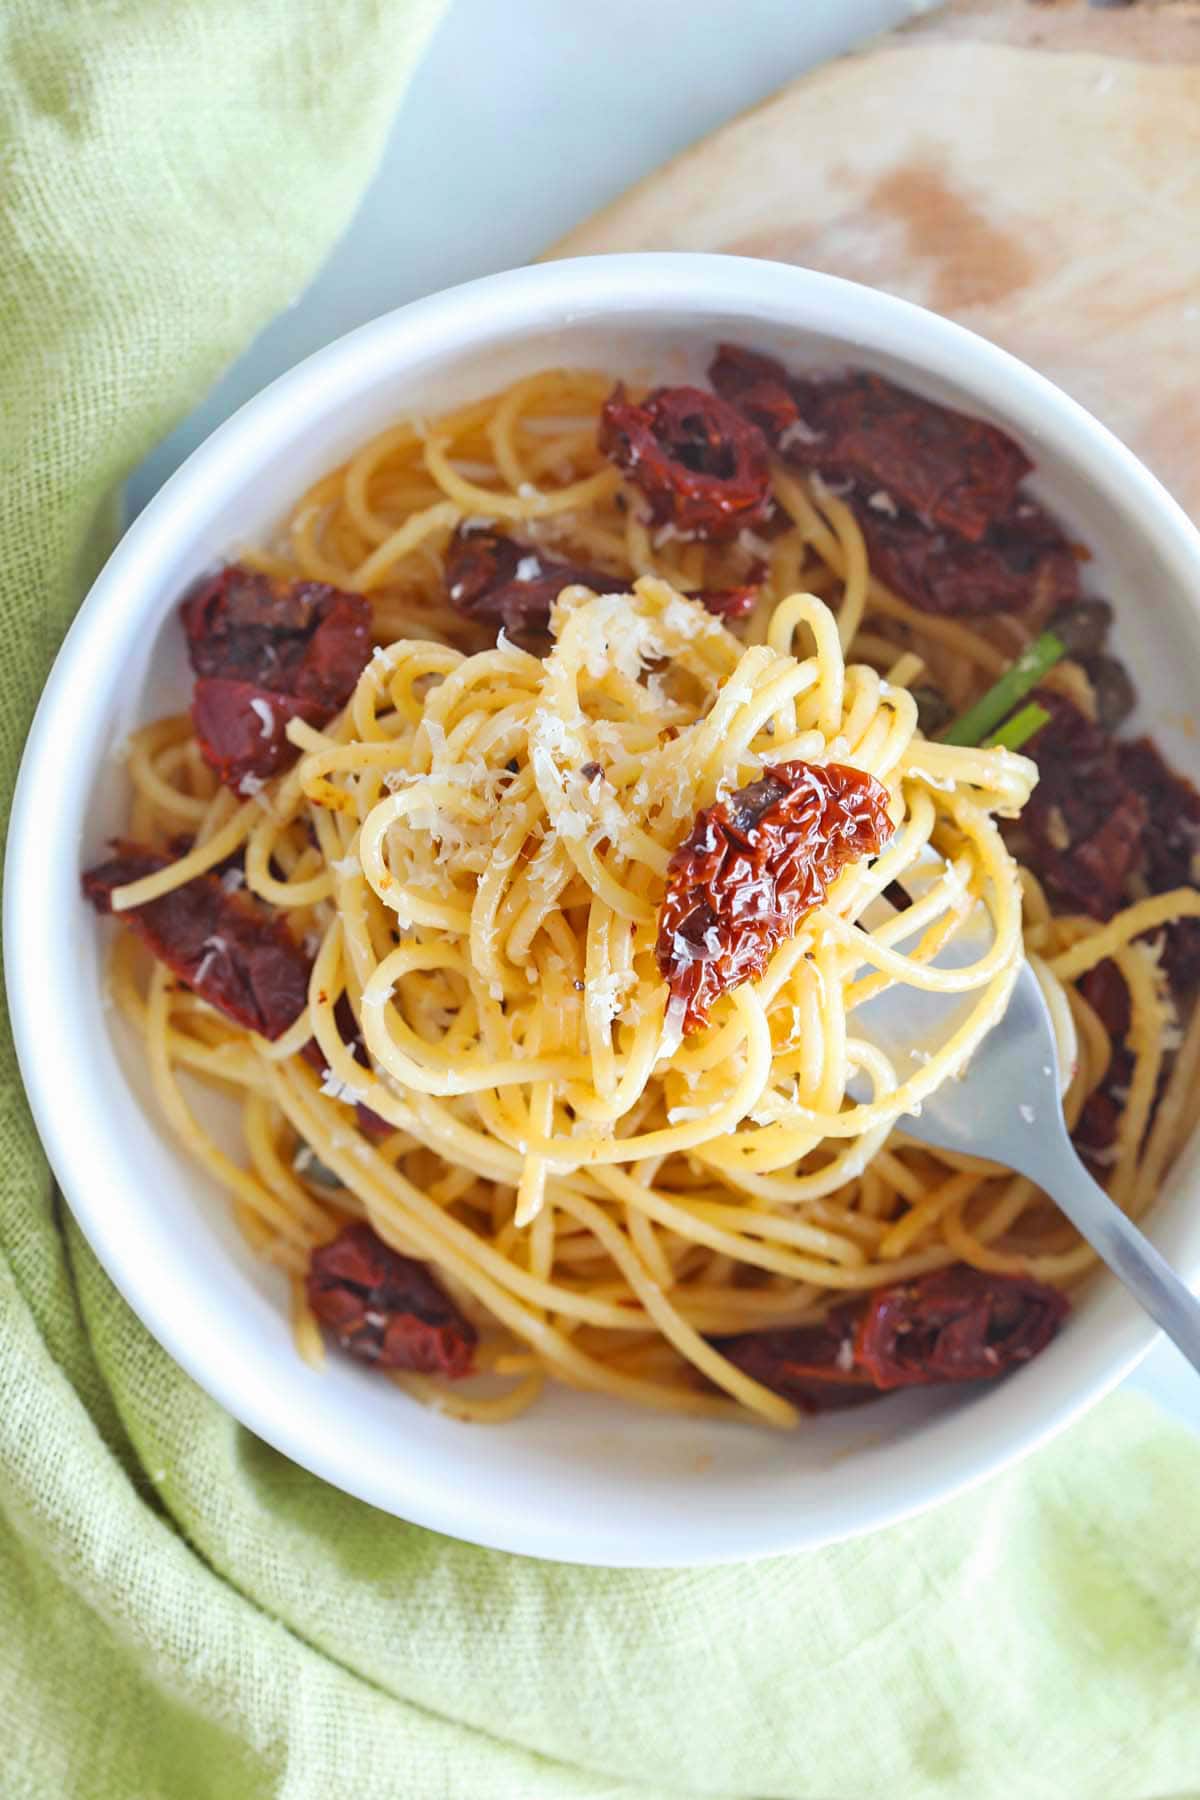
pixel 475 850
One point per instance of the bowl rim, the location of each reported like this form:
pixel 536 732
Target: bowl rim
pixel 512 303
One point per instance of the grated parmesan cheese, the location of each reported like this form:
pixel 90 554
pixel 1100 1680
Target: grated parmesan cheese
pixel 831 490
pixel 609 990
pixel 798 432
pixel 213 948
pixel 342 1090
pixel 753 545
pixel 265 717
pixel 672 1031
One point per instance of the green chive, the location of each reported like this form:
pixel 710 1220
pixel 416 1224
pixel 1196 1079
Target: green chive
pixel 975 724
pixel 1020 728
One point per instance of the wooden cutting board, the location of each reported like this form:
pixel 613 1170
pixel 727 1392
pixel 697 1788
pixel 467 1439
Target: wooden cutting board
pixel 1029 168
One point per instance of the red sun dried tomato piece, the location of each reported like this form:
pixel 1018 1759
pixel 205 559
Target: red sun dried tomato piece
pixel 1095 1130
pixel 1105 991
pixel 266 651
pixel 753 866
pixel 243 729
pixel 951 470
pixel 388 1309
pixel 699 464
pixel 1084 825
pixel 1173 839
pixel 811 1365
pixel 1181 956
pixel 729 603
pixel 1172 845
pixel 502 582
pixel 758 386
pixel 1022 564
pixel 225 946
pixel 955 1324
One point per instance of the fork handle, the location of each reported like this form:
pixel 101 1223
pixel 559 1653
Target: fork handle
pixel 1130 1255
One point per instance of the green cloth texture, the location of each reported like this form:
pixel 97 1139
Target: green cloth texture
pixel 183 1612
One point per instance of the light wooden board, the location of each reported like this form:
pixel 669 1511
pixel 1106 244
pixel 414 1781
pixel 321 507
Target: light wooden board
pixel 1032 170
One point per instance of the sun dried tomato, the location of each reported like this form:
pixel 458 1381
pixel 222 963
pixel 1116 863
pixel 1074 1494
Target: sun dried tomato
pixel 264 652
pixel 225 946
pixel 1181 955
pixel 810 1365
pixel 1095 1130
pixel 949 469
pixel 242 729
pixel 753 866
pixel 729 603
pixel 1084 826
pixel 1172 845
pixel 759 387
pixel 1173 842
pixel 501 581
pixel 955 1324
pixel 1105 991
pixel 1022 564
pixel 699 464
pixel 388 1309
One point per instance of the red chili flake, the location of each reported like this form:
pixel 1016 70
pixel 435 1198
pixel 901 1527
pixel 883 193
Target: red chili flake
pixel 1084 825
pixel 810 1365
pixel 699 464
pixel 955 1324
pixel 264 652
pixel 388 1309
pixel 951 470
pixel 1023 563
pixel 753 866
pixel 226 947
pixel 503 582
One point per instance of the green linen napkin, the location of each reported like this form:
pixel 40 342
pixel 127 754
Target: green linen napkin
pixel 183 1613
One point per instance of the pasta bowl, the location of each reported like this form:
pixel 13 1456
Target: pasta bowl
pixel 578 1478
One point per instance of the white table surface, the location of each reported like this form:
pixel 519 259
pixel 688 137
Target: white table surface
pixel 524 117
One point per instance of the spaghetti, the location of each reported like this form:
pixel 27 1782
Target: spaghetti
pixel 471 853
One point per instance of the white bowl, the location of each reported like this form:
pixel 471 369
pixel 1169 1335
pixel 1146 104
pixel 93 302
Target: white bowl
pixel 579 1478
